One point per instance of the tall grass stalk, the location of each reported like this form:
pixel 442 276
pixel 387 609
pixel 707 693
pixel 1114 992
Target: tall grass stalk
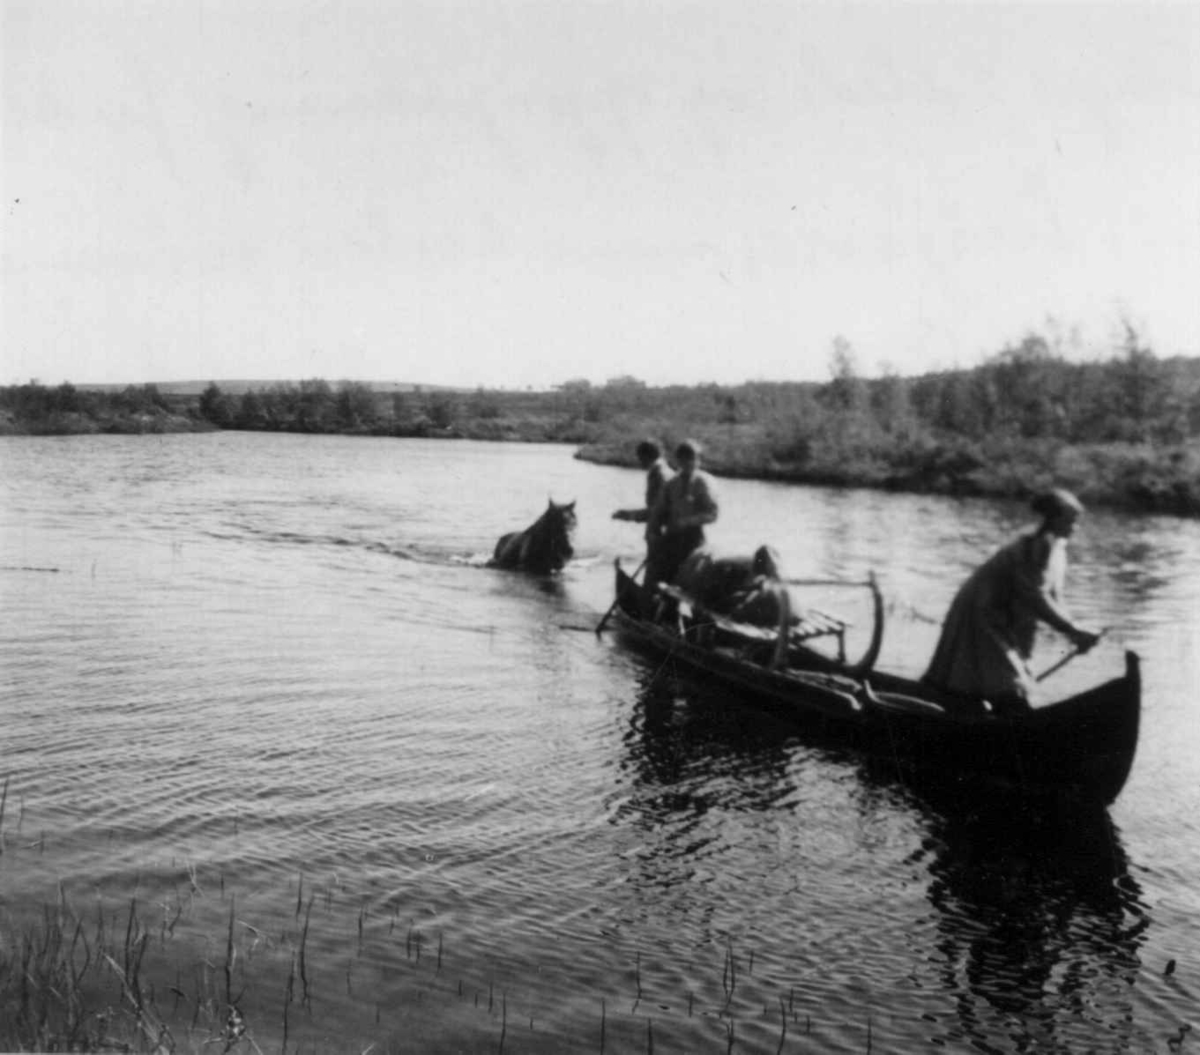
pixel 3 805
pixel 303 944
pixel 229 956
pixel 85 982
pixel 288 994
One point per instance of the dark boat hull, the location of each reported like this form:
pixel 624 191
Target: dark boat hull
pixel 1080 748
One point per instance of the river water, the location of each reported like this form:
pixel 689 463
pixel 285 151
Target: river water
pixel 264 706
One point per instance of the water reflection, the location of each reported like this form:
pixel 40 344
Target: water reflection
pixel 1036 922
pixel 689 767
pixel 684 749
pixel 1039 921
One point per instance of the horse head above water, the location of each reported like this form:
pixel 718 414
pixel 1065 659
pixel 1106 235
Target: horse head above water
pixel 544 546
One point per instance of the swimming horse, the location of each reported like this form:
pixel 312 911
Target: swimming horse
pixel 543 547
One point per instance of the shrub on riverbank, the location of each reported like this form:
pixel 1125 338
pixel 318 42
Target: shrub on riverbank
pixel 1125 432
pixel 1136 477
pixel 35 410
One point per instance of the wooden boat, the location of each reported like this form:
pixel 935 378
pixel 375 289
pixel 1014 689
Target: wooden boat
pixel 1078 749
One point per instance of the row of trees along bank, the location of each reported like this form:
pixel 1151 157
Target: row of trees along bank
pixel 1122 431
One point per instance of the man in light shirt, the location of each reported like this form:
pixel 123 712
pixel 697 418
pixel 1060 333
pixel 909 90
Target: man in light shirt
pixel 675 526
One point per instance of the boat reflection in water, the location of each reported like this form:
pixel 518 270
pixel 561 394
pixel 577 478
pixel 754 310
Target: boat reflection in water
pixel 963 923
pixel 1039 922
pixel 684 750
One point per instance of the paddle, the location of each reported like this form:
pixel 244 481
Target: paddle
pixel 613 607
pixel 1067 659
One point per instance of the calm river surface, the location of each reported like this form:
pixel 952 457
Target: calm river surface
pixel 267 679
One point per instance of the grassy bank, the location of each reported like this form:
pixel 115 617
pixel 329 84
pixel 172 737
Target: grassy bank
pixel 1135 477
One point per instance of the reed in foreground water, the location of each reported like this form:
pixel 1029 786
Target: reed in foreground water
pixel 179 970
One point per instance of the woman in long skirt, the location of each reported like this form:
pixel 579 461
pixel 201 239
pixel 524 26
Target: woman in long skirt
pixel 988 634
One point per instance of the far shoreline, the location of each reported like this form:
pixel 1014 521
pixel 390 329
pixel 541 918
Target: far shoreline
pixel 1122 434
pixel 1147 495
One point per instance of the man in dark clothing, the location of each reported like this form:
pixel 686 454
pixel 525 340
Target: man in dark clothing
pixel 650 458
pixel 675 527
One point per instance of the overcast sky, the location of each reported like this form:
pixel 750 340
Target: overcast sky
pixel 520 192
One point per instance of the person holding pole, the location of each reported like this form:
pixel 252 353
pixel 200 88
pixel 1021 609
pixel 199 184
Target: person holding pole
pixel 988 635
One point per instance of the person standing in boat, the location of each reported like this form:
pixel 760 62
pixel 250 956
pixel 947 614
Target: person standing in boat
pixel 988 634
pixel 658 472
pixel 675 527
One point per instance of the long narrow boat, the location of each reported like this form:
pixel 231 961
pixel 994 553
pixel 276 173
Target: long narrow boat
pixel 1080 748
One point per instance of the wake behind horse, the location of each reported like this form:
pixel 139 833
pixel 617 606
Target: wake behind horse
pixel 543 547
